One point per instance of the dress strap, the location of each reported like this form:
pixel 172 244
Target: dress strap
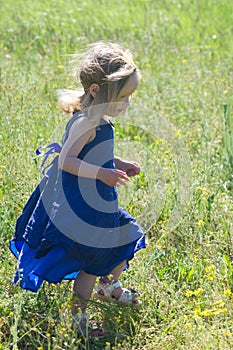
pixel 75 116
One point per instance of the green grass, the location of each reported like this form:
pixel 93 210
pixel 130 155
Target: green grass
pixel 183 119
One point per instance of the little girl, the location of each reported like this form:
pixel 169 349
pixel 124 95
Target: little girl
pixel 72 227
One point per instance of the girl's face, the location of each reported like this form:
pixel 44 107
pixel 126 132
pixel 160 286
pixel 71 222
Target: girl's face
pixel 121 103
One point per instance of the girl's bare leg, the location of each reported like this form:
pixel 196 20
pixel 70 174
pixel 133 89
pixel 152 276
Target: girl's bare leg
pixel 117 271
pixel 83 287
pixel 115 274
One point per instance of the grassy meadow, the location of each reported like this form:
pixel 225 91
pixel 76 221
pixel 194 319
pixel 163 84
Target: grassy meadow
pixel 180 126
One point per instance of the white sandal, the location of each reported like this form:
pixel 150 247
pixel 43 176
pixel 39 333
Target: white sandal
pixel 105 291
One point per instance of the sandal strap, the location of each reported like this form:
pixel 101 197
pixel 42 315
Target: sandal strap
pixel 108 288
pixel 116 284
pixel 126 296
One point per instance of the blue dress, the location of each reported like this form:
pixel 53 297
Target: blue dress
pixel 71 223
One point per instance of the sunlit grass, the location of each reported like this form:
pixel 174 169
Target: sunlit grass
pixel 185 53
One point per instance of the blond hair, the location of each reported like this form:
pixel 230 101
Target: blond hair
pixel 106 64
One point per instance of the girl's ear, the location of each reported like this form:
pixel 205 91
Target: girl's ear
pixel 93 89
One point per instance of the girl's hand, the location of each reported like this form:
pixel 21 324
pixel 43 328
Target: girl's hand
pixel 113 177
pixel 131 168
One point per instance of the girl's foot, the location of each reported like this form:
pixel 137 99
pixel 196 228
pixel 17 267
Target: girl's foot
pixel 84 329
pixel 107 289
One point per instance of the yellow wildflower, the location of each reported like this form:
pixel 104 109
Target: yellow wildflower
pixel 210 312
pixel 211 276
pixel 188 325
pixel 200 223
pixel 228 293
pixel 210 268
pixel 195 293
pixel 220 311
pixel 179 133
pixel 210 272
pixel 219 303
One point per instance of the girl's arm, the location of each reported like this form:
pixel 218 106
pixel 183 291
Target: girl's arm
pixel 131 168
pixel 81 133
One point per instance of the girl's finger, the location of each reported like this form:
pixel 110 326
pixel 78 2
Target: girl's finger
pixel 123 175
pixel 121 182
